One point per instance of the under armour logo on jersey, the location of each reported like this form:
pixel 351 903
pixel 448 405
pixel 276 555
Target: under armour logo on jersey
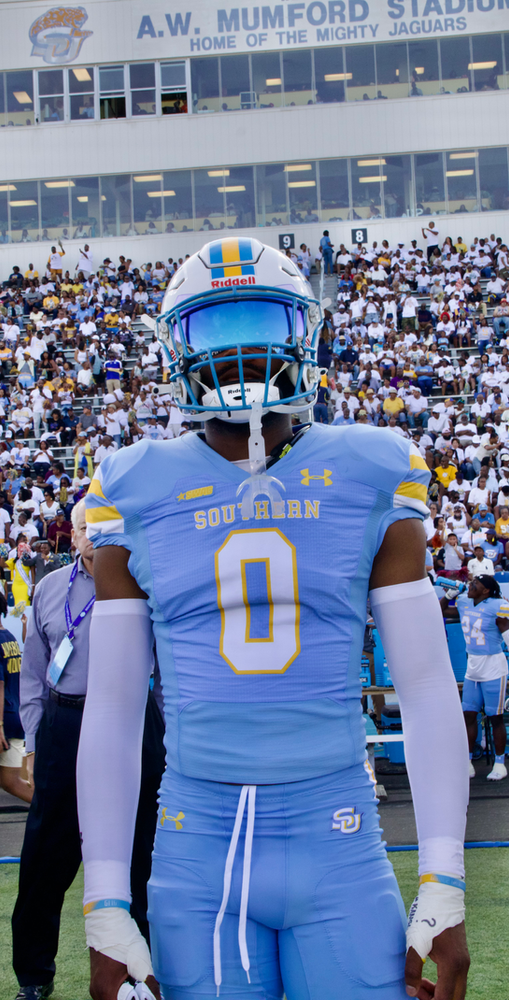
pixel 176 819
pixel 306 477
pixel 346 820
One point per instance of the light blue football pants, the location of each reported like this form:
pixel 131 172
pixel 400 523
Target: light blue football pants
pixel 313 910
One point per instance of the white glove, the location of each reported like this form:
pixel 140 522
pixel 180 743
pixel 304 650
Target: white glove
pixel 114 933
pixel 434 909
pixel 143 992
pixel 138 992
pixel 127 992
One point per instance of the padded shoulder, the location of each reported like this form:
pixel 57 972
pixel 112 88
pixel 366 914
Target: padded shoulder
pixel 124 481
pixel 502 607
pixel 119 472
pixel 385 461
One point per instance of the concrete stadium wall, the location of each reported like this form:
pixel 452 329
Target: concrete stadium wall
pixel 442 122
pixel 151 248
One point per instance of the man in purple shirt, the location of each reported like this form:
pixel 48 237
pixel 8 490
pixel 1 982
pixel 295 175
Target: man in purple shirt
pixel 51 709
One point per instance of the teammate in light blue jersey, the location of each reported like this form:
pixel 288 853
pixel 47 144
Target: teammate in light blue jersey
pixel 484 617
pixel 247 552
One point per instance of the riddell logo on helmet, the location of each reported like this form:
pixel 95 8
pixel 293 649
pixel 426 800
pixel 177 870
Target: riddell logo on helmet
pixel 233 281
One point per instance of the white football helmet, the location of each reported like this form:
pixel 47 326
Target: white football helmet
pixel 238 293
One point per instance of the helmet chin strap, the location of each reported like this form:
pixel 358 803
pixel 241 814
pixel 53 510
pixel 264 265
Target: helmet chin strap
pixel 256 443
pixel 259 483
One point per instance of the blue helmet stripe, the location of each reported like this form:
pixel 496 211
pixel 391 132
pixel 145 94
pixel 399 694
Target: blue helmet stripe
pixel 245 250
pixel 216 252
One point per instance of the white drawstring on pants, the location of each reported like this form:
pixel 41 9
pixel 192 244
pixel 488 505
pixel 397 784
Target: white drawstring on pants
pixel 248 792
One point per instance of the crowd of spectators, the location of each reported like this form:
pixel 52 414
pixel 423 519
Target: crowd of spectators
pixel 79 377
pixel 417 341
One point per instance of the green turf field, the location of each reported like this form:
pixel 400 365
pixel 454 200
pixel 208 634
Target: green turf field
pixel 487 927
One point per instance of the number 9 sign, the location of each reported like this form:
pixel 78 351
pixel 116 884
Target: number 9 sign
pixel 286 241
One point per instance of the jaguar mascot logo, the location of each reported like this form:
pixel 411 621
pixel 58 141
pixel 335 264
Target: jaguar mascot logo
pixel 57 35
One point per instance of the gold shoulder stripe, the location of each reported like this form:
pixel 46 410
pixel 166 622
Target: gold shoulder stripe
pixel 95 489
pixel 95 514
pixel 417 462
pixel 416 491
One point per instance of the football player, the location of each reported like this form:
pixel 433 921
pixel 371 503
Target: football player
pixel 247 552
pixel 484 617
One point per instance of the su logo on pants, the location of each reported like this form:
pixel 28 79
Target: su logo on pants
pixel 346 820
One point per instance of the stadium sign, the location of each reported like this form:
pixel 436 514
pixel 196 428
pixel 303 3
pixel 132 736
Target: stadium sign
pixel 159 29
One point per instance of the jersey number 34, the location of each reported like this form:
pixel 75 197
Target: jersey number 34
pixel 476 635
pixel 258 597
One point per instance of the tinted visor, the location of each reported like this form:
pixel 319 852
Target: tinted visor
pixel 240 321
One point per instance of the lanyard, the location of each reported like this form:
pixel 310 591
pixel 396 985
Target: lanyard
pixel 72 625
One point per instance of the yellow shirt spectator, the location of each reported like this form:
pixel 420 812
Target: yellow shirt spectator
pixel 446 474
pixel 50 302
pixel 502 525
pixel 55 260
pixel 31 275
pixel 393 404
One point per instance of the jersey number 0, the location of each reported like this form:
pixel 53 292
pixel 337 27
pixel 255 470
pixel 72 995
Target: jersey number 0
pixel 258 597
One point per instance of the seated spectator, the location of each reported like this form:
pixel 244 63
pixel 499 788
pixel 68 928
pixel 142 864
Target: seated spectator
pixel 42 459
pixel 417 408
pixel 106 447
pixel 494 549
pixel 25 529
pixel 502 524
pixel 449 559
pixel 393 406
pixel 446 473
pixel 479 496
pixel 59 533
pixel 48 508
pixel 479 564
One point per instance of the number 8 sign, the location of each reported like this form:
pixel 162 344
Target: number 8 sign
pixel 359 236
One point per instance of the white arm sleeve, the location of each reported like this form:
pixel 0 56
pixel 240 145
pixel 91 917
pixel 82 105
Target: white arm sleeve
pixel 109 756
pixel 409 620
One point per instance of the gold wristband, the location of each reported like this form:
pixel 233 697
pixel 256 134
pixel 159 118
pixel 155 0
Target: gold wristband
pixel 30 753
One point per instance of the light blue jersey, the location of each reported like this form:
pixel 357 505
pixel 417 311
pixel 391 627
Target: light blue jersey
pixel 479 624
pixel 259 622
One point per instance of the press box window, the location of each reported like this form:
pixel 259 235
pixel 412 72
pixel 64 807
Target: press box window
pixel 143 89
pixel 173 88
pixel 81 93
pixel 19 103
pixel 51 95
pixel 112 91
